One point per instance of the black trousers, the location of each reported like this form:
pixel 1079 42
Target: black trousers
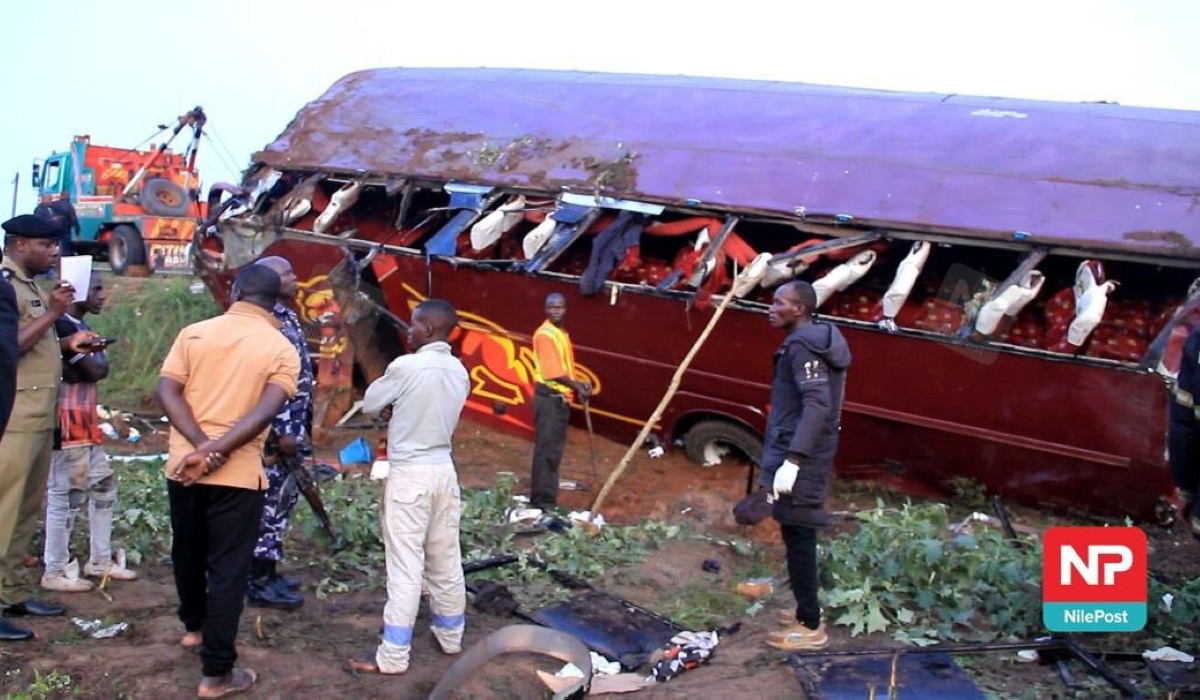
pixel 801 545
pixel 551 414
pixel 1183 453
pixel 214 531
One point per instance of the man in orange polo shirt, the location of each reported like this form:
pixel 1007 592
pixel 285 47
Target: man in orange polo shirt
pixel 555 381
pixel 222 384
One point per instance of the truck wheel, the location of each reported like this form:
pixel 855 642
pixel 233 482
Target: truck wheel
pixel 125 248
pixel 708 442
pixel 164 198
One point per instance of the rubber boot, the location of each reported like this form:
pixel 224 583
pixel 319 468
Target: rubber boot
pixel 267 590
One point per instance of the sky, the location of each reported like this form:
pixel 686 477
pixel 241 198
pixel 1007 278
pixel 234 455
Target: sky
pixel 115 69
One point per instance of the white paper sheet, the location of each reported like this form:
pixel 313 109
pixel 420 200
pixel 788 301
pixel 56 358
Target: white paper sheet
pixel 77 269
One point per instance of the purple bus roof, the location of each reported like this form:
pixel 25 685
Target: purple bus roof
pixel 1093 175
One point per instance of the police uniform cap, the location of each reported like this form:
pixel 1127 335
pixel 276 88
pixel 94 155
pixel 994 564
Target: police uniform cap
pixel 30 226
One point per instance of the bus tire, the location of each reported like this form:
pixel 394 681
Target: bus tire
pixel 125 248
pixel 164 198
pixel 710 440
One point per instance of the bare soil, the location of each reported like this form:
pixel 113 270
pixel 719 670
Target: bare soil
pixel 303 654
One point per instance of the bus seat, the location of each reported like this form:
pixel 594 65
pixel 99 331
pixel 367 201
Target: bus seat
pixel 653 272
pixel 1026 331
pixel 844 275
pixel 1117 344
pixel 939 316
pixel 858 304
pixel 535 239
pixel 1010 302
pixel 1091 306
pixel 1059 311
pixel 906 276
pixel 488 230
pixel 1137 316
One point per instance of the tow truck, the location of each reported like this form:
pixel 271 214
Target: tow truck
pixel 137 209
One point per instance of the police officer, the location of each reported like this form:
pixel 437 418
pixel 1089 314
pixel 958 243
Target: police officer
pixel 1183 434
pixel 8 350
pixel 31 249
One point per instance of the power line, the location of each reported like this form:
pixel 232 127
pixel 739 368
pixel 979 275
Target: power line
pixel 214 138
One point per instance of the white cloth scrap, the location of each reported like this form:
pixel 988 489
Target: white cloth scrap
pixel 1168 654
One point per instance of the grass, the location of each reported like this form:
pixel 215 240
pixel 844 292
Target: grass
pixel 146 314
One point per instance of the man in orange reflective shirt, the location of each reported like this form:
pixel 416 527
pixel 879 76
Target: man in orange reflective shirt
pixel 555 382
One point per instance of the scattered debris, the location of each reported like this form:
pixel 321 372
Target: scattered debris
pixel 521 638
pixel 604 667
pixel 1168 654
pixel 96 629
pixel 756 588
pixel 585 519
pixel 139 458
pixel 614 627
pixel 880 674
pixel 685 651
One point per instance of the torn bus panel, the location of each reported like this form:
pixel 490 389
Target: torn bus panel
pixel 1011 275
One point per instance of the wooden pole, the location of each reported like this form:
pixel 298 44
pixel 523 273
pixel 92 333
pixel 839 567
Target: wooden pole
pixel 662 405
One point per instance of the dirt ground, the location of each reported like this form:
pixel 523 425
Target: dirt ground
pixel 302 654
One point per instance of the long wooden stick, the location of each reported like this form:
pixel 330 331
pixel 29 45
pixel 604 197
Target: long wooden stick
pixel 662 405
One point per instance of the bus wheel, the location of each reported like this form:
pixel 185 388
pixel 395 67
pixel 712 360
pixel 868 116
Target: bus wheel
pixel 125 248
pixel 710 441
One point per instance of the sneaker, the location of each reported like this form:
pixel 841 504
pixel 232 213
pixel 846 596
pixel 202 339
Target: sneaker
pixel 115 569
pixel 65 584
pixel 787 617
pixel 798 638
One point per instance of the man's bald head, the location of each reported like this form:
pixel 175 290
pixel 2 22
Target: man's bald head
pixel 287 278
pixel 276 263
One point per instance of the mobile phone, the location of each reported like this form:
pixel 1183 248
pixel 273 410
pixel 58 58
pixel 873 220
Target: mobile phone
pixel 99 342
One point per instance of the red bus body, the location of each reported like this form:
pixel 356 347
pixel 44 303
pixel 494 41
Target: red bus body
pixel 989 183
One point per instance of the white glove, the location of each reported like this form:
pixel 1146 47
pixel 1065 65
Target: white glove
pixel 785 478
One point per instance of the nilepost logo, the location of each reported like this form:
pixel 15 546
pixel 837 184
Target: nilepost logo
pixel 1094 579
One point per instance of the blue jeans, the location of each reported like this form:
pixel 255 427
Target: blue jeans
pixel 79 474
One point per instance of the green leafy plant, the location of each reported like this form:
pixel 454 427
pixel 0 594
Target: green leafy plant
pixel 967 493
pixel 1174 623
pixel 904 571
pixel 43 687
pixel 146 314
pixel 141 523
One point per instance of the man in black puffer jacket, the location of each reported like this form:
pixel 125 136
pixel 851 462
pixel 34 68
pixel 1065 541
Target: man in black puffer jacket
pixel 801 441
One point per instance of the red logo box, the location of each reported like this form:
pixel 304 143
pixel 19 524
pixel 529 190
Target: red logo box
pixel 1094 564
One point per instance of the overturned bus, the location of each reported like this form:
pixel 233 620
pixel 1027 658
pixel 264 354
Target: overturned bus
pixel 1012 276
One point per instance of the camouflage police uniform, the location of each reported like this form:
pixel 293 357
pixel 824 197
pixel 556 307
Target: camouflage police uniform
pixel 28 441
pixel 293 420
